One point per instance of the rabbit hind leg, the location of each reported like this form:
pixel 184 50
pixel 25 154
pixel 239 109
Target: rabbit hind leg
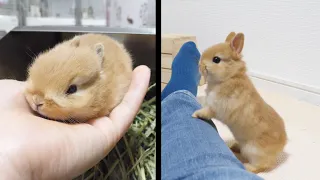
pixel 258 160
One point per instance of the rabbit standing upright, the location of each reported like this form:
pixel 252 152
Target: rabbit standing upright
pixel 233 99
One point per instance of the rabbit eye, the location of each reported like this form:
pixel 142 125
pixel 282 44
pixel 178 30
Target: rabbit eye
pixel 216 59
pixel 72 89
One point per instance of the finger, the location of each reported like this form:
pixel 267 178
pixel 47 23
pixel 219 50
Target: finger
pixel 123 115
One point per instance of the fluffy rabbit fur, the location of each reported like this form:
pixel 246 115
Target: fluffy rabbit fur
pixel 231 98
pixel 79 79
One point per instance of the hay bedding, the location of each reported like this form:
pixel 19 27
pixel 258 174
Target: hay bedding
pixel 134 156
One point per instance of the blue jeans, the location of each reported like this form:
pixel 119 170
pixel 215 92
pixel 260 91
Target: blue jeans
pixel 191 148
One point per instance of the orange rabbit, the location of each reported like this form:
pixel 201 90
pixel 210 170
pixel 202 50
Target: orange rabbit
pixel 232 98
pixel 79 79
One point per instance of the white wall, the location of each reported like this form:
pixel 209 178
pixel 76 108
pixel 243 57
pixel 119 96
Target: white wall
pixel 282 37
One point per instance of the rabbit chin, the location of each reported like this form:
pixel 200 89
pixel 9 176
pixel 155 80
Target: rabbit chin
pixel 42 114
pixel 69 116
pixel 59 118
pixel 46 115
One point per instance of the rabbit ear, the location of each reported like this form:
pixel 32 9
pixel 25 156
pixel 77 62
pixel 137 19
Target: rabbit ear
pixel 237 43
pixel 230 36
pixel 75 41
pixel 99 48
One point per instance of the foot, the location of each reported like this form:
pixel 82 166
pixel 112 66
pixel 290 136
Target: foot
pixel 254 169
pixel 185 71
pixel 235 147
pixel 205 113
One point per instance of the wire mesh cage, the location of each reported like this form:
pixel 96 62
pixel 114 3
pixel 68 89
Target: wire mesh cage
pixel 110 13
pixel 8 7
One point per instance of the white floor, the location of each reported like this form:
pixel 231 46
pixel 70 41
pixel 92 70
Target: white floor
pixel 302 153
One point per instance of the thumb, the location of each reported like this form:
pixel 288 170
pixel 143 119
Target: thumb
pixel 123 115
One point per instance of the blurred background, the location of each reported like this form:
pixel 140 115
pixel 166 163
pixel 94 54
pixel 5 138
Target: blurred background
pixel 110 13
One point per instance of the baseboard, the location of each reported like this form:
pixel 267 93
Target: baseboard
pixel 299 91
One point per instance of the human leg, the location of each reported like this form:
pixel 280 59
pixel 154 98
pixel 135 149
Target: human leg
pixel 190 148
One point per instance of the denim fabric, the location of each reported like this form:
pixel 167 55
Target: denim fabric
pixel 191 148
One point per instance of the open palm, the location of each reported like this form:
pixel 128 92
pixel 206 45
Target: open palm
pixel 35 148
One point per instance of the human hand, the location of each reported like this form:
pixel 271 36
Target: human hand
pixel 35 148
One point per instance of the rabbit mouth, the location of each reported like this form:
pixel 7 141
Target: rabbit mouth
pixel 205 70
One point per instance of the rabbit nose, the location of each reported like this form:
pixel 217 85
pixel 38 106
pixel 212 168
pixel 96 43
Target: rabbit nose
pixel 38 105
pixel 37 100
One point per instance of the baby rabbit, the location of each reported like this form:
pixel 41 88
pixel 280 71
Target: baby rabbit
pixel 79 79
pixel 232 99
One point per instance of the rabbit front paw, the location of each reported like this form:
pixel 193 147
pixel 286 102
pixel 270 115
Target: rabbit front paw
pixel 204 113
